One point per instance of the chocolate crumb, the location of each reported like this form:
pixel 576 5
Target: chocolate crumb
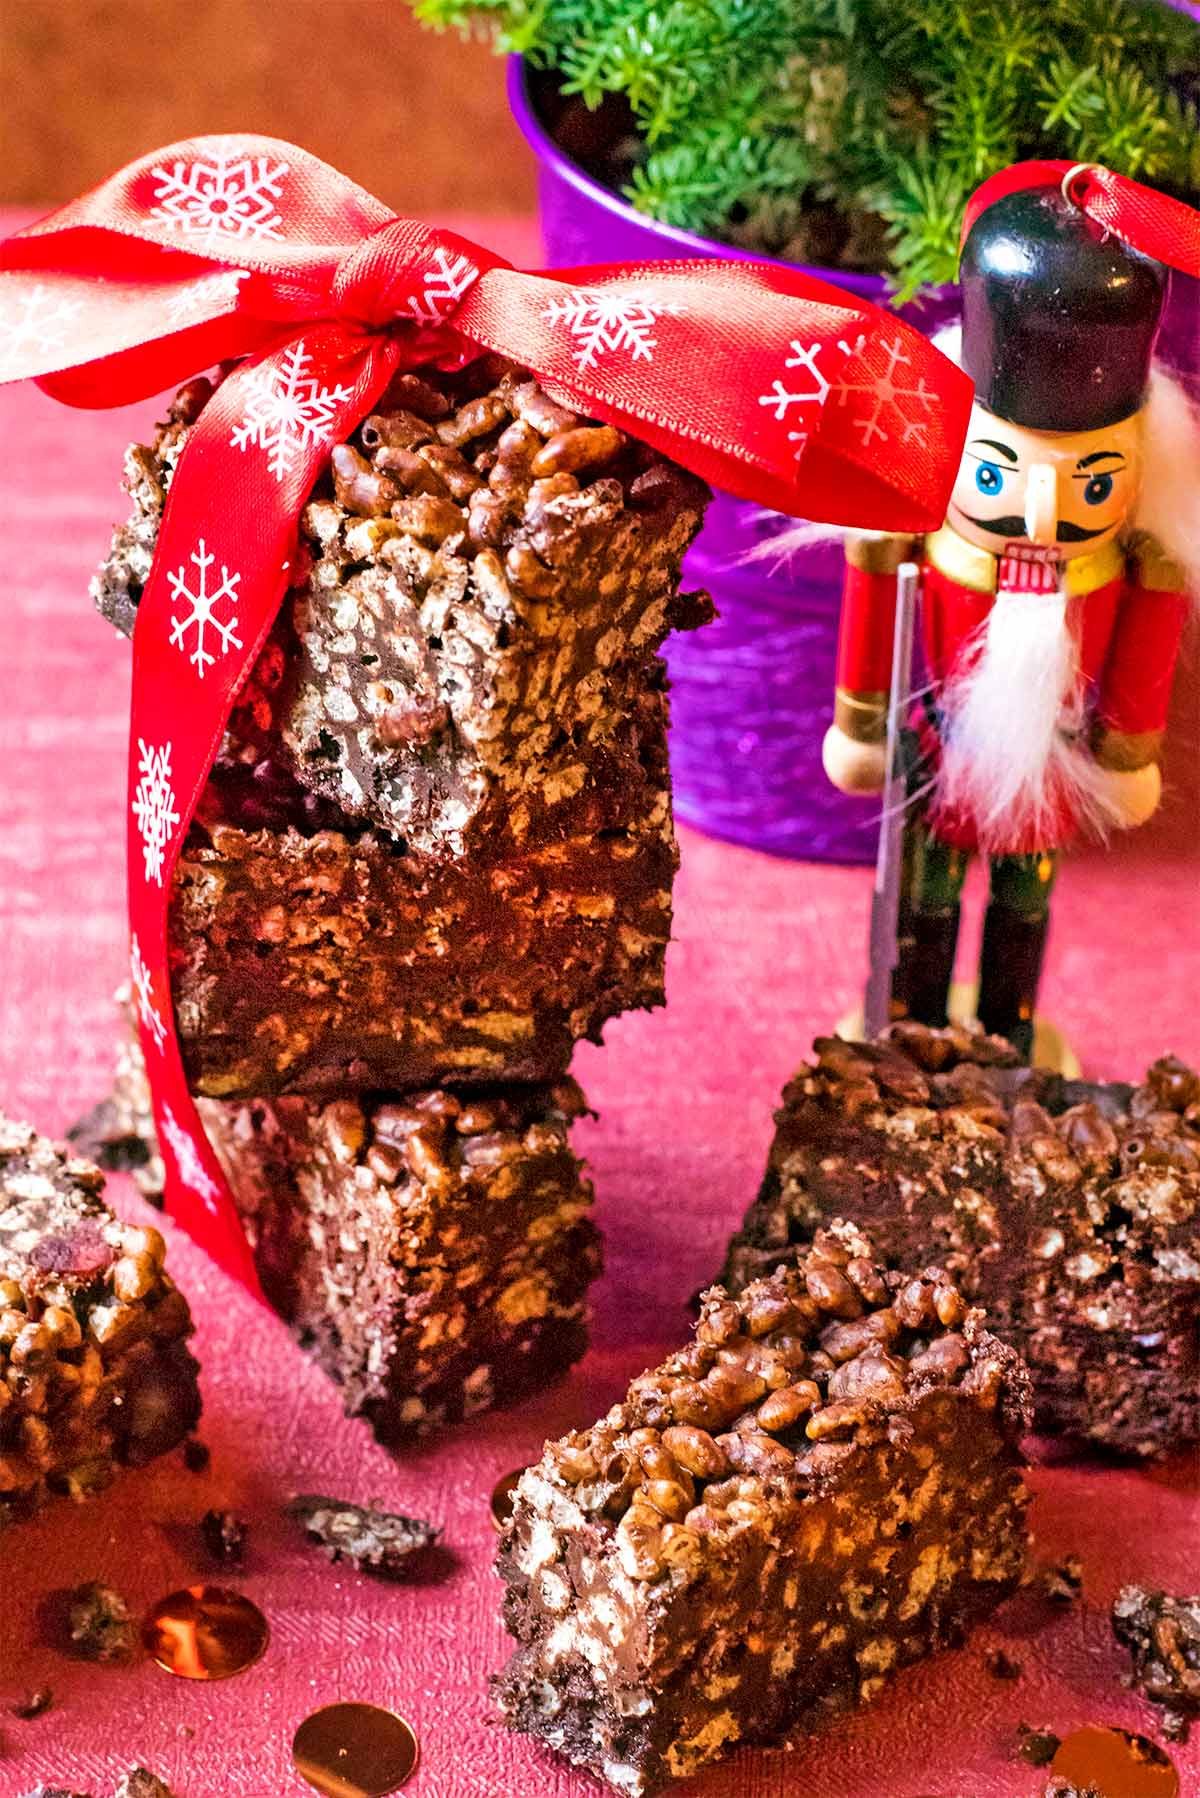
pixel 1037 1746
pixel 55 1792
pixel 98 1623
pixel 381 1542
pixel 224 1536
pixel 1162 1634
pixel 1062 1788
pixel 1063 1582
pixel 197 1456
pixel 1002 1666
pixel 34 1704
pixel 139 1783
pixel 101 1135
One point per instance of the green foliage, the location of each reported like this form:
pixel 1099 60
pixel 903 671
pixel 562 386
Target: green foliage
pixel 761 121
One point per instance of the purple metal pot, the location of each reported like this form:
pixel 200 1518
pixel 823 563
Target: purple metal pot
pixel 752 693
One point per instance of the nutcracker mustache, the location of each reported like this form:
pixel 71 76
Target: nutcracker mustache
pixel 1012 528
pixel 1014 750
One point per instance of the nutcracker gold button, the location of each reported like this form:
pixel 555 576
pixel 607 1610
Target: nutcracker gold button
pixel 355 1751
pixel 205 1632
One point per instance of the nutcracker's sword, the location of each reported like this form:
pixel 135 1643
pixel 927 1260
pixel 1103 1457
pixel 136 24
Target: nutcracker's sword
pixel 885 900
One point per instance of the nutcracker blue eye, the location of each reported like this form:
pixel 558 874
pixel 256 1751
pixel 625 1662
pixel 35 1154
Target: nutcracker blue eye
pixel 1098 489
pixel 989 479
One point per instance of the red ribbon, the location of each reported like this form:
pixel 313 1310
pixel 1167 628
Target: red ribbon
pixel 1149 221
pixel 775 386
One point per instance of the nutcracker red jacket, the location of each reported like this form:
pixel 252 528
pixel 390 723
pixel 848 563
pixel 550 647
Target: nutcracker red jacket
pixel 1126 609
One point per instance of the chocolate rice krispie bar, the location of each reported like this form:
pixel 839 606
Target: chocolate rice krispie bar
pixel 434 1254
pixel 483 575
pixel 340 961
pixel 1070 1210
pixel 94 1366
pixel 822 1488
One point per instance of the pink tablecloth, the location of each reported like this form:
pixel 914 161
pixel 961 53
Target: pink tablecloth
pixel 766 954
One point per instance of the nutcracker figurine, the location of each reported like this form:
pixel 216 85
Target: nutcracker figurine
pixel 1052 600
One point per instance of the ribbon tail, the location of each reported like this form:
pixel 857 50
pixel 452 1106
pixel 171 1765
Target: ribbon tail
pixel 146 369
pixel 839 411
pixel 221 567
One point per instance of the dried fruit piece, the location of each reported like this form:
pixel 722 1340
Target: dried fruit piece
pixel 381 1542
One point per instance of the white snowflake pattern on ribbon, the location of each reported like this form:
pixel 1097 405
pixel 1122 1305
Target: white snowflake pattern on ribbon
pixel 154 806
pixel 221 198
pixel 798 393
pixel 444 286
pixel 143 993
pixel 617 323
pixel 287 409
pixel 210 293
pixel 35 321
pixel 191 1170
pixel 888 401
pixel 885 407
pixel 203 609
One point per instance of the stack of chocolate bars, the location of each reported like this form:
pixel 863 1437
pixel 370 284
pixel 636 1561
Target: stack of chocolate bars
pixel 436 850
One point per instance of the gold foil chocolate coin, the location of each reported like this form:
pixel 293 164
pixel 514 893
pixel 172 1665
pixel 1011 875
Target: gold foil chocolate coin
pixel 502 1498
pixel 1116 1763
pixel 354 1751
pixel 205 1632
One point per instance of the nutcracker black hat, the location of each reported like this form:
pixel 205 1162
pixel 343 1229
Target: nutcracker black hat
pixel 1059 316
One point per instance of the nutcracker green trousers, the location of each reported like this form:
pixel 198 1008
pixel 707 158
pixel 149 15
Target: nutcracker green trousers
pixel 934 874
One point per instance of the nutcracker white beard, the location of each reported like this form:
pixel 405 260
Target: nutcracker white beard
pixel 1015 759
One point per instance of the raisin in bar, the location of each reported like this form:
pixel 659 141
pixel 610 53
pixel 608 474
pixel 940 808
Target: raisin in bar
pixel 94 1367
pixel 1069 1210
pixel 326 962
pixel 434 1254
pixel 483 573
pixel 822 1488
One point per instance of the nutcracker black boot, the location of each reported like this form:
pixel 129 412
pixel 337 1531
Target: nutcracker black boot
pixel 921 986
pixel 1010 969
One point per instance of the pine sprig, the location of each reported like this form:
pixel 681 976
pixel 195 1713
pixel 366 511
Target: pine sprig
pixel 922 200
pixel 754 116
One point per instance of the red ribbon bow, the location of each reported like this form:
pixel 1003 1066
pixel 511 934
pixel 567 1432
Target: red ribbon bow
pixel 775 386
